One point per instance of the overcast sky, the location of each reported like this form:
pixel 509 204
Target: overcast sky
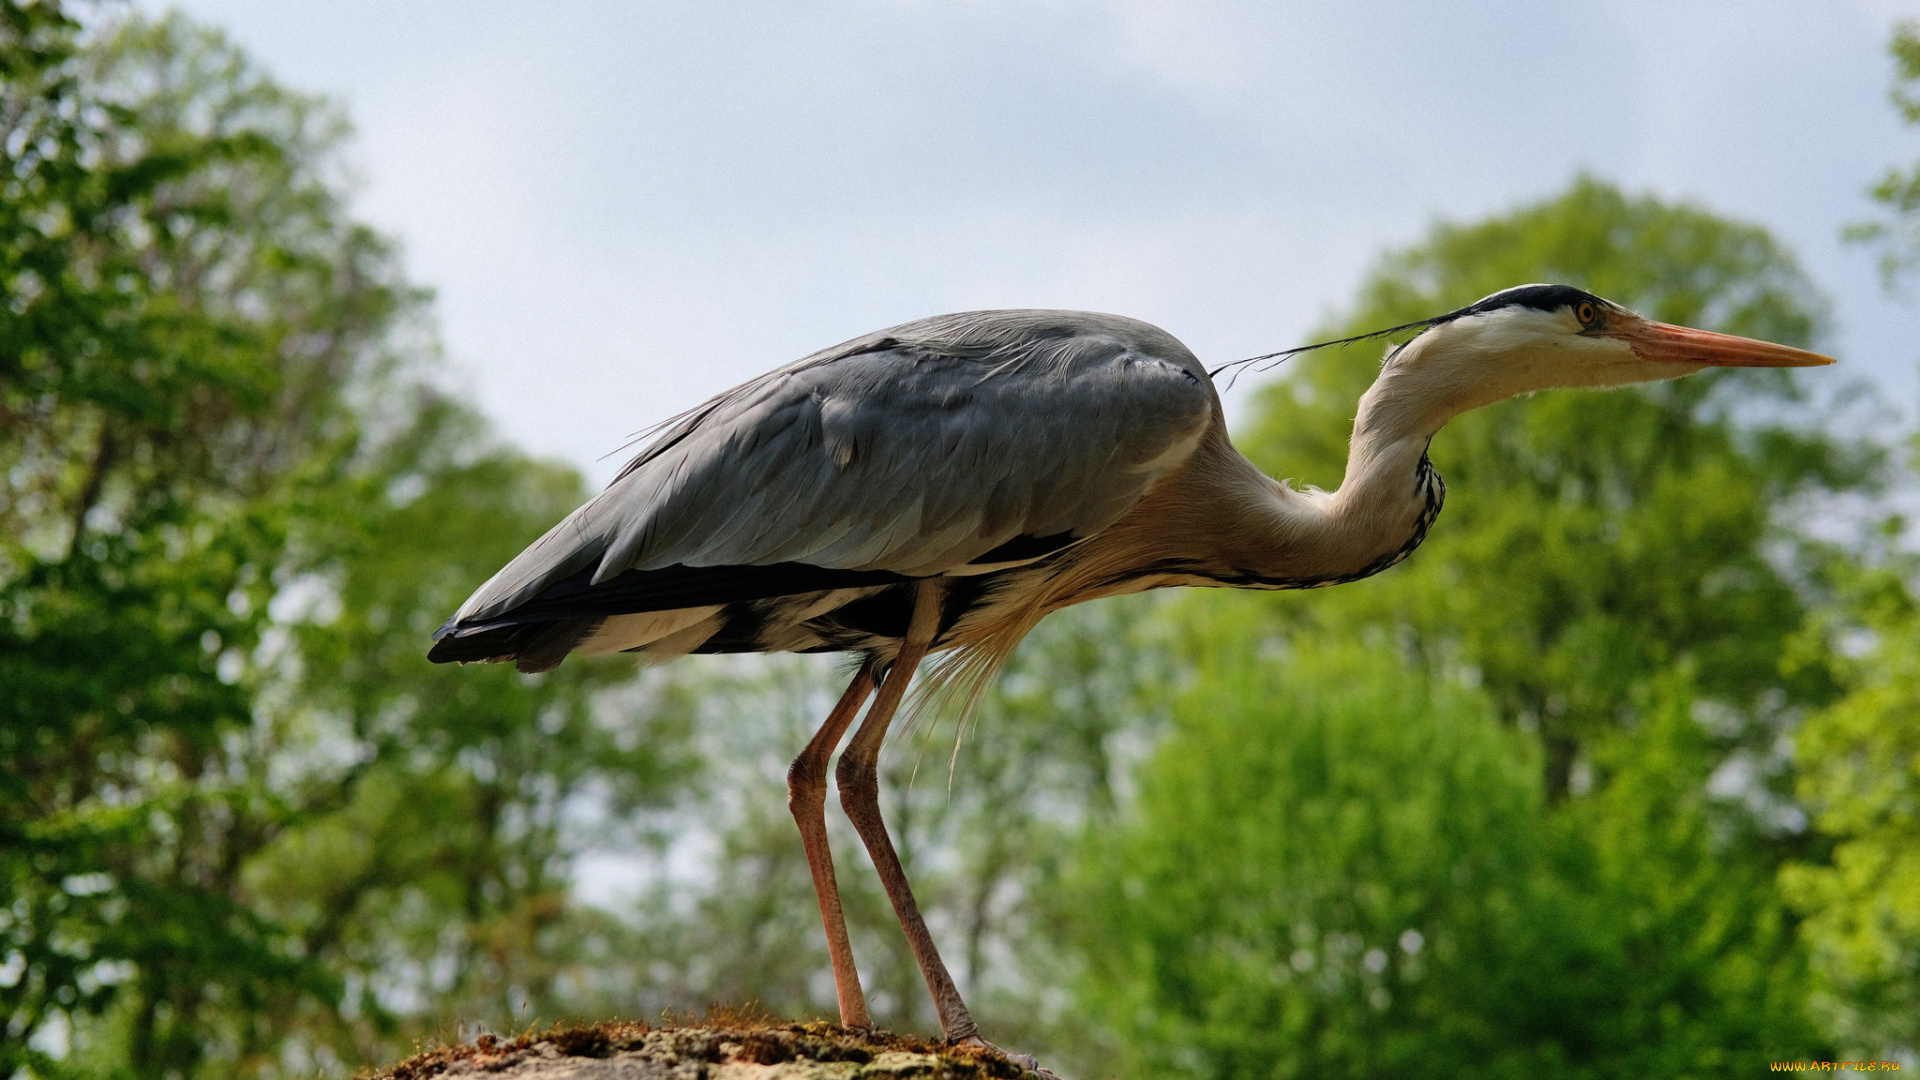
pixel 627 207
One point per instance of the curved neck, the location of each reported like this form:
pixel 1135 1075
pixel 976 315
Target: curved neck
pixel 1396 419
pixel 1382 508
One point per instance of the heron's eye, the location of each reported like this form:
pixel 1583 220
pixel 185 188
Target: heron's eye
pixel 1585 313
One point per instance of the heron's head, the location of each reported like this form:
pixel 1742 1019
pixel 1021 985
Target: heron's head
pixel 1538 337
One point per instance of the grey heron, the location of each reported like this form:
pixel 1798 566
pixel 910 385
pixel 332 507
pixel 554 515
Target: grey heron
pixel 941 486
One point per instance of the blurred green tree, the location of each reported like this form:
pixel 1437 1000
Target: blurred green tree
pixel 426 859
pixel 1611 576
pixel 1898 236
pixel 1859 760
pixel 244 827
pixel 1324 872
pixel 1860 776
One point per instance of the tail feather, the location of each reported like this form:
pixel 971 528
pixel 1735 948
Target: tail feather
pixel 554 641
pixel 531 646
pixel 489 646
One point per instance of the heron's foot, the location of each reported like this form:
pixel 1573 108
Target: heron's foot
pixel 1026 1061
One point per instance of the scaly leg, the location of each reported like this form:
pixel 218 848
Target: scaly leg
pixel 807 800
pixel 859 777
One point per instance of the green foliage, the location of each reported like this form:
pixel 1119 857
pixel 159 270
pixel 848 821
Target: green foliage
pixel 427 862
pixel 178 296
pixel 1899 190
pixel 245 828
pixel 1860 762
pixel 1859 758
pixel 1671 946
pixel 1339 864
pixel 1319 895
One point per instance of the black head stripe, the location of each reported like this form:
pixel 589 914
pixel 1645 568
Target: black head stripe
pixel 1537 297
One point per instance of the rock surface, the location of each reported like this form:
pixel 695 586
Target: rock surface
pixel 732 1049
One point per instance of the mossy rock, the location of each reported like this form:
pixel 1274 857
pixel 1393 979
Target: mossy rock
pixel 732 1049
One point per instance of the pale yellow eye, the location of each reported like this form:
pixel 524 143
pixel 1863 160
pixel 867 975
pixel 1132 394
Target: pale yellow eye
pixel 1585 313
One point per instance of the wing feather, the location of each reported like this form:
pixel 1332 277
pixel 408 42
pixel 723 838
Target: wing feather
pixel 908 452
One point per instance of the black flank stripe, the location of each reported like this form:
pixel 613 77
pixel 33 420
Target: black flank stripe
pixel 672 587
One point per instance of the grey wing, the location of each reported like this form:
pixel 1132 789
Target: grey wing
pixel 951 445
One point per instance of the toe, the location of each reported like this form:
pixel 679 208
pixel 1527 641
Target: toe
pixel 1027 1062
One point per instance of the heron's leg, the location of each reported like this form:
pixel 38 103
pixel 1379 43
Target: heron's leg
pixel 859 778
pixel 807 799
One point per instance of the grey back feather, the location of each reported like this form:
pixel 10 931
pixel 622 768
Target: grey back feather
pixel 912 450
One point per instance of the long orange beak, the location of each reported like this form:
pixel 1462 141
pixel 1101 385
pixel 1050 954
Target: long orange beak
pixel 1683 345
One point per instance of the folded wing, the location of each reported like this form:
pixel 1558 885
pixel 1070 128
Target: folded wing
pixel 953 445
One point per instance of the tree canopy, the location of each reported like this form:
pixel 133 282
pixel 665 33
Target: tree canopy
pixel 242 826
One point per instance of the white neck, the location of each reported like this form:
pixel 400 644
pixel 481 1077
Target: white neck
pixel 1380 505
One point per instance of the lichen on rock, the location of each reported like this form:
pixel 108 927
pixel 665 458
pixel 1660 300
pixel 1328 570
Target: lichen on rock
pixel 727 1049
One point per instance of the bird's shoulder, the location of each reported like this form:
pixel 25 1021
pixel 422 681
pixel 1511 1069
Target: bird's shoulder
pixel 1068 367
